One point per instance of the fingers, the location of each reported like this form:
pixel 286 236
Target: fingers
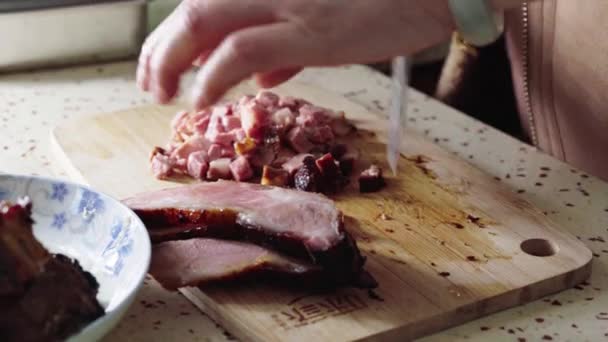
pixel 260 49
pixel 179 46
pixel 143 64
pixel 196 26
pixel 201 59
pixel 274 78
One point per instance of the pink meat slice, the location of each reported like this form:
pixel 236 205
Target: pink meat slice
pixel 198 261
pixel 308 217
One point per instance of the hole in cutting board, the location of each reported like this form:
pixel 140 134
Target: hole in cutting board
pixel 539 247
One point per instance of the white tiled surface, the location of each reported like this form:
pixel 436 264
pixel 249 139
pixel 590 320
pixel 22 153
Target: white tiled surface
pixel 30 104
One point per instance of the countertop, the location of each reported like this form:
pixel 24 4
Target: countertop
pixel 31 103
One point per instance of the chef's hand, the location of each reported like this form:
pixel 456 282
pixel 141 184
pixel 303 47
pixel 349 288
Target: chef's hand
pixel 273 39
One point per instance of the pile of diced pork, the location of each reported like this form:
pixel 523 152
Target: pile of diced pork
pixel 274 140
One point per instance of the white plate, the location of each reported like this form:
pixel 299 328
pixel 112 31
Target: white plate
pixel 105 236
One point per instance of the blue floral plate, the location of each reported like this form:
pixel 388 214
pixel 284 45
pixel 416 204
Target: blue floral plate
pixel 104 235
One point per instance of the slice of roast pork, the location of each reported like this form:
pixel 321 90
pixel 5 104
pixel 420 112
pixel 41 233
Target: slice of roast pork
pixel 299 224
pixel 200 261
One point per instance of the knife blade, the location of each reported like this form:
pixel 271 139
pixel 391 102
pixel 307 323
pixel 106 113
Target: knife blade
pixel 398 111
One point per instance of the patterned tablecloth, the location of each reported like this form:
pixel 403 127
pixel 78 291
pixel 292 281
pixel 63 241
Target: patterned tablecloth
pixel 31 103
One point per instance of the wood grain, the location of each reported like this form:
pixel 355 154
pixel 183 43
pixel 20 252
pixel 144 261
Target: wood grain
pixel 446 250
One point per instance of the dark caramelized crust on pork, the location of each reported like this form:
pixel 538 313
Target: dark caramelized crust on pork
pixel 298 224
pixel 55 305
pixel 43 297
pixel 21 255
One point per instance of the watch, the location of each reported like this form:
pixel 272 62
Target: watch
pixel 477 22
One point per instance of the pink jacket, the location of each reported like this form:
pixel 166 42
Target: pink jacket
pixel 559 57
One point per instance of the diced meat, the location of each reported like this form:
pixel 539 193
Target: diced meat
pixel 297 223
pixel 227 152
pixel 254 120
pixel 219 169
pixel 295 163
pixel 178 123
pixel 199 261
pixel 215 120
pixel 283 156
pixel 193 144
pixel 161 166
pixel 240 169
pixel 239 134
pixel 298 141
pixel 308 177
pixel 371 180
pixel 214 152
pixel 225 139
pixel 231 123
pixel 321 134
pixel 333 179
pixel 215 126
pixel 221 138
pixel 201 125
pixel 283 118
pixel 245 146
pixel 348 160
pixel 271 137
pixel 179 166
pixel 263 156
pixel 270 130
pixel 267 99
pixel 288 102
pixel 242 102
pixel 221 111
pixel 312 116
pixel 185 125
pixel 180 136
pixel 198 165
pixel 274 176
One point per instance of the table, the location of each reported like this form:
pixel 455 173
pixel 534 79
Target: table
pixel 31 103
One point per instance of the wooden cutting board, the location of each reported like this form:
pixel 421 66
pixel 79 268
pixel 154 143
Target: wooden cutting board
pixel 446 242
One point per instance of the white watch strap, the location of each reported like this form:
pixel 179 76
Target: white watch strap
pixel 477 23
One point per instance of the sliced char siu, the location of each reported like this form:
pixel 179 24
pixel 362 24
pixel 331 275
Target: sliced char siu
pixel 43 296
pixel 21 255
pixel 299 224
pixel 201 261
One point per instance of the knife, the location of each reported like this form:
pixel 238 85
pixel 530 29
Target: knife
pixel 398 111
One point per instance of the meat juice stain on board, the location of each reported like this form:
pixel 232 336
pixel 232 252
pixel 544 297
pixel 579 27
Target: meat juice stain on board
pixel 393 198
